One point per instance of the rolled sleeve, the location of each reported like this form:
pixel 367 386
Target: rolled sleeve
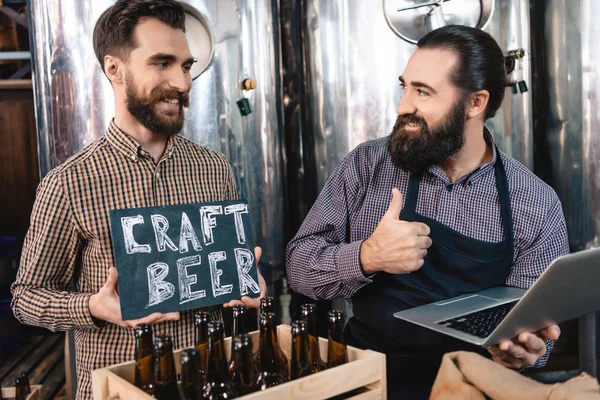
pixel 48 260
pixel 78 306
pixel 532 260
pixel 550 243
pixel 348 262
pixel 322 261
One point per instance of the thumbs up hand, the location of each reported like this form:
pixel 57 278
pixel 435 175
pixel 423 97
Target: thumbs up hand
pixel 395 247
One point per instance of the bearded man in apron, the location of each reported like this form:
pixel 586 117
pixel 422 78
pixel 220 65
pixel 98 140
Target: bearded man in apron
pixel 432 211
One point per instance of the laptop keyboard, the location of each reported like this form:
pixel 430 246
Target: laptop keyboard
pixel 481 323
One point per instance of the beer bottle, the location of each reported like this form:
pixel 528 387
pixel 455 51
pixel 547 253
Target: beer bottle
pixel 241 366
pixel 19 390
pixel 164 369
pixel 270 367
pixel 218 384
pixel 201 340
pixel 336 347
pixel 267 305
pixel 25 383
pixel 302 364
pixel 239 322
pixel 309 314
pixel 191 376
pixel 144 359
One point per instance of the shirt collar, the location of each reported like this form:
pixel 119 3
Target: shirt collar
pixel 478 172
pixel 128 146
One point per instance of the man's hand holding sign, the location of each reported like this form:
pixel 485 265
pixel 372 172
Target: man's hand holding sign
pixel 177 258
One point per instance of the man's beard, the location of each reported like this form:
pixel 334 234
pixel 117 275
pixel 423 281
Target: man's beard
pixel 143 109
pixel 415 151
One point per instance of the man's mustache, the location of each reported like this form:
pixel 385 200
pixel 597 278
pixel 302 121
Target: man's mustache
pixel 409 119
pixel 160 94
pixel 400 133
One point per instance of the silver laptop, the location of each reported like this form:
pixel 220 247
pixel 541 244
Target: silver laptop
pixel 569 288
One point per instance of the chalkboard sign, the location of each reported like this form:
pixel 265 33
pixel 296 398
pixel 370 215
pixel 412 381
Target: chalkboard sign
pixel 183 256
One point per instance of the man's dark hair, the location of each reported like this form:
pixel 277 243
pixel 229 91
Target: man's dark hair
pixel 113 33
pixel 481 63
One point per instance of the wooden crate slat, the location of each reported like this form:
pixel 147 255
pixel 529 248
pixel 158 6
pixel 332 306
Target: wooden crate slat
pixel 100 379
pixel 106 383
pixel 325 384
pixel 9 392
pixel 374 394
pixel 122 386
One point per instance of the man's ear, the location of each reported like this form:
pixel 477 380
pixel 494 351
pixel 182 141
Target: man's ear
pixel 477 104
pixel 114 69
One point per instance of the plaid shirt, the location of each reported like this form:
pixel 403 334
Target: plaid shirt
pixel 323 258
pixel 69 237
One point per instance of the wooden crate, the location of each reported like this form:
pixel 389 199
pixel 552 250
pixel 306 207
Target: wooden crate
pixel 365 371
pixel 9 392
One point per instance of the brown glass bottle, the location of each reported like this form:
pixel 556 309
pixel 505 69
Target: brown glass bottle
pixel 270 367
pixel 240 325
pixel 191 377
pixel 302 364
pixel 164 369
pixel 144 359
pixel 267 305
pixel 337 354
pixel 201 339
pixel 19 390
pixel 218 383
pixel 25 383
pixel 309 314
pixel 241 366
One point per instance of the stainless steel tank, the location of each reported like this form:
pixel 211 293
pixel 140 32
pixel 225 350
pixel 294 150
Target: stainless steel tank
pixel 573 115
pixel 570 123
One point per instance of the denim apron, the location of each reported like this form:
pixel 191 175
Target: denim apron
pixel 455 264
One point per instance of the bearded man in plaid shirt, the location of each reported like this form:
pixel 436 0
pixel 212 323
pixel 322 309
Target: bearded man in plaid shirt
pixel 141 161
